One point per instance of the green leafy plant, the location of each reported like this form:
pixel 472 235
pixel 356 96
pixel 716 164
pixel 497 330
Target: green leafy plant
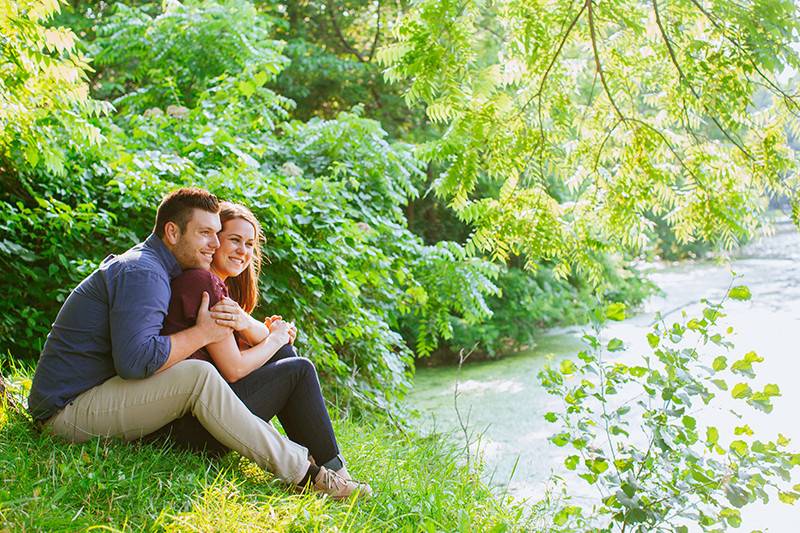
pixel 644 432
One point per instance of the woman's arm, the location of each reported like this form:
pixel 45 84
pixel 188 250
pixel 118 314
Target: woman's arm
pixel 234 364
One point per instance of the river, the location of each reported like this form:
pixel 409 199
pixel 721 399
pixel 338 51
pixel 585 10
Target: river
pixel 505 402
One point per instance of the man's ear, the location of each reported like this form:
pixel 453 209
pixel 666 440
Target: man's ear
pixel 172 233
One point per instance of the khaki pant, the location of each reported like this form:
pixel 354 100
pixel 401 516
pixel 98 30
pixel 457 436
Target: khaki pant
pixel 133 408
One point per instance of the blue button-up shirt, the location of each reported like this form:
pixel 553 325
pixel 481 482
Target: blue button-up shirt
pixel 109 325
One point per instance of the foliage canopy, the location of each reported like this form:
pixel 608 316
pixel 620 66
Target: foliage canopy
pixel 595 117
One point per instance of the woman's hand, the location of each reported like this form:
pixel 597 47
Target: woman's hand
pixel 292 328
pixel 281 329
pixel 227 312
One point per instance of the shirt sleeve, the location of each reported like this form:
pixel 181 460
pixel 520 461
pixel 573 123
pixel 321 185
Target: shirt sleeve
pixel 137 311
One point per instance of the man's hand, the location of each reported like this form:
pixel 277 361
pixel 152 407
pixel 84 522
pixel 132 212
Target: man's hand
pixel 213 331
pixel 228 313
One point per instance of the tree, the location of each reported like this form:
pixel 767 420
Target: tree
pixel 596 116
pixel 43 90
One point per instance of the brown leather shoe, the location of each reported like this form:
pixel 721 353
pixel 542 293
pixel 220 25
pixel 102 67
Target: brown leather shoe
pixel 339 488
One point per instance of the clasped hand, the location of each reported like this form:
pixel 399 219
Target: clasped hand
pixel 228 313
pixel 276 324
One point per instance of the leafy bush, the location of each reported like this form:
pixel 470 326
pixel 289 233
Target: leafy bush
pixel 646 435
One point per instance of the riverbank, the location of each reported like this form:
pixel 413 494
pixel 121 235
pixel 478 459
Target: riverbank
pixel 420 483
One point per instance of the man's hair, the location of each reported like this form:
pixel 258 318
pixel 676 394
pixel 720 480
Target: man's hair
pixel 177 207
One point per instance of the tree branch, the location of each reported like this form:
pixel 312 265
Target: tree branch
pixel 340 35
pixel 684 80
pixel 377 35
pixel 597 63
pixel 789 99
pixel 554 58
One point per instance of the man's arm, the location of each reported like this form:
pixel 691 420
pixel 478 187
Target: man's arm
pixel 138 302
pixel 138 307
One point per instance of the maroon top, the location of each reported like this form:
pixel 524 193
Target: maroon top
pixel 187 292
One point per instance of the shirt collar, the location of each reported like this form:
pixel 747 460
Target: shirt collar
pixel 164 255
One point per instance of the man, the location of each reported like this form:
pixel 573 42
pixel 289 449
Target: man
pixel 105 369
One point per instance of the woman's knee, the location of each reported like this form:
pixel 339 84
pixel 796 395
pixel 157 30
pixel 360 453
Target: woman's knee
pixel 285 352
pixel 305 367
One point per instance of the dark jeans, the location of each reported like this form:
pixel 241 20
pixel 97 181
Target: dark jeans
pixel 287 386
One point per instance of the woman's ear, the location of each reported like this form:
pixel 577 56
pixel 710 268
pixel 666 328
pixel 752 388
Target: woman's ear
pixel 172 233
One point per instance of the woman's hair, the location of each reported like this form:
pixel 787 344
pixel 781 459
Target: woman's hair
pixel 244 287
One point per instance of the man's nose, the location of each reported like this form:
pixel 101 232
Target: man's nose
pixel 215 242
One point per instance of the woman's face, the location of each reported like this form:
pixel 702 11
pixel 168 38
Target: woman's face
pixel 236 243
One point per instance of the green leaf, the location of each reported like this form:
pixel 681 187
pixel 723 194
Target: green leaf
pixel 571 462
pixel 694 324
pixel 615 345
pixel 741 390
pixel 247 88
pixel 616 312
pixel 551 417
pixel 740 292
pixel 689 422
pixel 732 516
pixel 739 447
pixel 712 436
pixel 637 371
pixel 720 363
pixel 560 439
pixel 598 466
pixel 720 383
pixel 260 78
pixel 653 340
pixel 788 497
pixel 567 367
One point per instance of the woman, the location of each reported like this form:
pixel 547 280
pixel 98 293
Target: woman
pixel 258 359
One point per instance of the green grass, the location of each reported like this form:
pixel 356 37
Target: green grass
pixel 419 484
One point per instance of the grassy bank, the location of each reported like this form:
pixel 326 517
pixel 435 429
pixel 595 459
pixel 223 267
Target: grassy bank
pixel 47 484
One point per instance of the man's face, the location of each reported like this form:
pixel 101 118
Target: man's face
pixel 196 245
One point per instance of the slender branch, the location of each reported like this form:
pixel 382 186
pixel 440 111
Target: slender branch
pixel 602 375
pixel 683 79
pixel 464 424
pixel 555 57
pixel 787 97
pixel 340 35
pixel 605 140
pixel 377 35
pixel 597 63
